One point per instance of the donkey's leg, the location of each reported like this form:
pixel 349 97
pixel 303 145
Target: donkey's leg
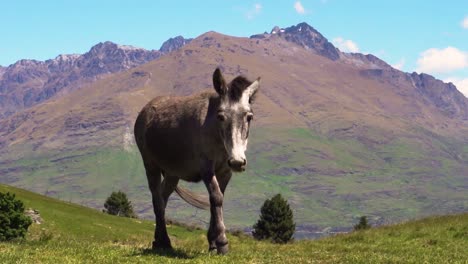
pixel 161 239
pixel 223 177
pixel 216 232
pixel 210 235
pixel 168 186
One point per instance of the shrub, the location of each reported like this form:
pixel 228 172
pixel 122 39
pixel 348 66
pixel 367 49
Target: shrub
pixel 363 224
pixel 13 222
pixel 118 204
pixel 276 221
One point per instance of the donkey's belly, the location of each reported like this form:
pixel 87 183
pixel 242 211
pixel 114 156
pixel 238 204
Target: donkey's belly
pixel 183 170
pixel 176 157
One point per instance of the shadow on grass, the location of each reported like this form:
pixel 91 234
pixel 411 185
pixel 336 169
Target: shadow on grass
pixel 171 253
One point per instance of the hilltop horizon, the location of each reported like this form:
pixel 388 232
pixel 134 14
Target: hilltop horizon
pixel 165 48
pixel 411 37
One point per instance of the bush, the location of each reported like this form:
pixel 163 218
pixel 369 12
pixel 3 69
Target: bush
pixel 276 221
pixel 118 204
pixel 363 224
pixel 13 222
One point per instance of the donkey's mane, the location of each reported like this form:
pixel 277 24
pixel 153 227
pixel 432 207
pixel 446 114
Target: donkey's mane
pixel 237 87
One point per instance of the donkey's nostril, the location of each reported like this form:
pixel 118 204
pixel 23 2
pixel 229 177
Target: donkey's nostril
pixel 238 165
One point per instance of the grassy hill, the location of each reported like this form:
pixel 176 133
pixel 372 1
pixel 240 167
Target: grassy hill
pixel 75 234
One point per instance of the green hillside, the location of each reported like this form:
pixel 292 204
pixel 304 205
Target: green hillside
pixel 75 234
pixel 329 182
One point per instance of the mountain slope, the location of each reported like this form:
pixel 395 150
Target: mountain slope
pixel 72 233
pixel 445 96
pixel 340 138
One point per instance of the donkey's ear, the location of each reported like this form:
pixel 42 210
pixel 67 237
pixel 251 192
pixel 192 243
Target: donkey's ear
pixel 219 83
pixel 252 90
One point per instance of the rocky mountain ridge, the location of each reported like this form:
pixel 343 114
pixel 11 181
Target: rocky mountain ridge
pixel 29 82
pixel 174 44
pixel 305 36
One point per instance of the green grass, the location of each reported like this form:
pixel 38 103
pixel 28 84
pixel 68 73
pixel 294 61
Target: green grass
pixel 75 234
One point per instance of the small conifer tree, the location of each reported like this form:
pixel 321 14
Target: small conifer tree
pixel 363 224
pixel 276 221
pixel 118 204
pixel 13 222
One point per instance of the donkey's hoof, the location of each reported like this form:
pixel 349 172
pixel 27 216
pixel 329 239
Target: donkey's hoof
pixel 161 245
pixel 212 249
pixel 222 249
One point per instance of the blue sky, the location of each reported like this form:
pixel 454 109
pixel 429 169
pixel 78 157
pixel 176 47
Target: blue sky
pixel 422 36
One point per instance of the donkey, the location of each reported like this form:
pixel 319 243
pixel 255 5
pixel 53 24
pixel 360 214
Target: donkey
pixel 201 137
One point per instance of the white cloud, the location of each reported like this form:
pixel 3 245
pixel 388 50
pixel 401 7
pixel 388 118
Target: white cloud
pixel 464 23
pixel 258 7
pixel 461 84
pixel 299 8
pixel 254 11
pixel 442 60
pixel 345 45
pixel 400 64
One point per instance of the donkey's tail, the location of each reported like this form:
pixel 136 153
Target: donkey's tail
pixel 192 198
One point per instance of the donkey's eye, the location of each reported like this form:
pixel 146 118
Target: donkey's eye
pixel 221 117
pixel 249 117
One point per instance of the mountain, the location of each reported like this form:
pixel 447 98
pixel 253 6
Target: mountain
pixel 29 82
pixel 339 137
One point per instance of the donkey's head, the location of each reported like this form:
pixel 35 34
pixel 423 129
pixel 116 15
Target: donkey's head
pixel 234 116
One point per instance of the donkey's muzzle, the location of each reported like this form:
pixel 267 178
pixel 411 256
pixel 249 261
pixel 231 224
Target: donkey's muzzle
pixel 237 165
